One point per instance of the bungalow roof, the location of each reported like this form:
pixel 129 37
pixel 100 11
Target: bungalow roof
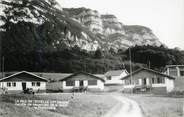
pixel 115 72
pixel 32 74
pixel 150 70
pixel 74 74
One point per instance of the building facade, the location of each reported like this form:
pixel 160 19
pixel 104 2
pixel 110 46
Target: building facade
pixel 20 81
pixel 147 80
pixel 113 77
pixel 175 71
pixel 81 81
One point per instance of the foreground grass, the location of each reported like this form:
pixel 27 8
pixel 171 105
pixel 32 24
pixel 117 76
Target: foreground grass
pixel 80 105
pixel 155 106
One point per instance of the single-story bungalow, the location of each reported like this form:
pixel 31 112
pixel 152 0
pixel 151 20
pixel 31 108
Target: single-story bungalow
pixel 20 81
pixel 147 80
pixel 82 80
pixel 113 77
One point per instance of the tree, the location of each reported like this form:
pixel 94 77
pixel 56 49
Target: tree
pixel 98 54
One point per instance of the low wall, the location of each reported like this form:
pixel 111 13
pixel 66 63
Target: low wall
pixel 179 84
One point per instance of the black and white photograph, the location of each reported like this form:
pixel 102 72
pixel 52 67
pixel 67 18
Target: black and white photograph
pixel 91 58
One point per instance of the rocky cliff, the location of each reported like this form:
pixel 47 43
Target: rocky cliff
pixel 111 31
pixel 68 27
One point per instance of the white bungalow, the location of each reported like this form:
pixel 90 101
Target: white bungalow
pixel 150 81
pixel 82 80
pixel 20 81
pixel 114 76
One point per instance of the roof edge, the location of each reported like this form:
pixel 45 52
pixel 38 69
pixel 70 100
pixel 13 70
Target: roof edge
pixel 82 73
pixel 24 72
pixel 170 77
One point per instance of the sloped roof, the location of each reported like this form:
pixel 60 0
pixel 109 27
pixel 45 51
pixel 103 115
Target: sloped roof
pixel 150 70
pixel 18 73
pixel 174 66
pixel 115 72
pixel 74 74
pixel 54 76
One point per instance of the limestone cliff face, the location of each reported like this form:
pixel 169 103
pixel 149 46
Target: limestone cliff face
pixel 86 28
pixel 87 17
pixel 111 32
pixel 142 35
pixel 111 25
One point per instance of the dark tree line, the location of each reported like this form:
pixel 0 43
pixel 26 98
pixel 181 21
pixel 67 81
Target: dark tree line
pixel 156 57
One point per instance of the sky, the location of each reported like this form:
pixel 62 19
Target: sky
pixel 164 17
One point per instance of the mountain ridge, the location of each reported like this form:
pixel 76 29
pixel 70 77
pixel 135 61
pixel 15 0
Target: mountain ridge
pixel 108 26
pixel 82 27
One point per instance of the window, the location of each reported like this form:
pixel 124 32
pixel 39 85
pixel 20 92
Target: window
pixel 160 80
pixel 69 83
pixel 182 73
pixel 14 84
pixel 144 81
pixel 92 82
pixel 154 80
pixel 38 84
pixel 127 82
pixel 108 77
pixel 8 84
pixel 173 73
pixel 33 84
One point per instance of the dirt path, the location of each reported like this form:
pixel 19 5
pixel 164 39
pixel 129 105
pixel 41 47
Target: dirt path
pixel 126 108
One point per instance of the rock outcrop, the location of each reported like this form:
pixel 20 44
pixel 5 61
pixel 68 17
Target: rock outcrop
pixel 113 33
pixel 86 28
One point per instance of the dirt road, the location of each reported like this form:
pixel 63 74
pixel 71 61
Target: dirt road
pixel 126 108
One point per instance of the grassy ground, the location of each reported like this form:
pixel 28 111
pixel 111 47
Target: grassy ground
pixel 80 105
pixel 155 106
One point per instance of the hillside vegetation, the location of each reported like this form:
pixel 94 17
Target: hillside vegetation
pixel 35 37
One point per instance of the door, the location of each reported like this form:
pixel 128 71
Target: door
pixel 24 86
pixel 144 81
pixel 81 83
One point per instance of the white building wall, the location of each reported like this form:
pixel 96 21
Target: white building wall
pixel 140 81
pixel 76 83
pixel 66 87
pixel 100 85
pixel 147 81
pixel 116 79
pixel 28 85
pixel 159 85
pixel 85 83
pixel 41 87
pixel 128 86
pixel 170 84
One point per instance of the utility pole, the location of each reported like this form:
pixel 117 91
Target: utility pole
pixel 1 55
pixel 3 67
pixel 149 64
pixel 130 67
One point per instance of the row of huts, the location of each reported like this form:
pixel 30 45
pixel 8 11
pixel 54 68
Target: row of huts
pixel 143 80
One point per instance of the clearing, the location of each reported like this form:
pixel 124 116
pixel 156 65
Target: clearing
pixel 159 106
pixel 80 105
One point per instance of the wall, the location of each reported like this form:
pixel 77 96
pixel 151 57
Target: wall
pixel 179 84
pixel 138 80
pixel 100 85
pixel 28 85
pixel 170 85
pixel 116 79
